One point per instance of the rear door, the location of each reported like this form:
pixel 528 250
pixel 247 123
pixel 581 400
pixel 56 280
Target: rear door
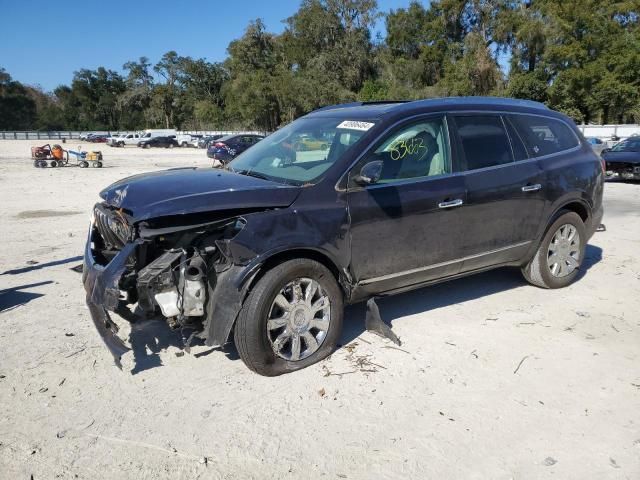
pixel 505 196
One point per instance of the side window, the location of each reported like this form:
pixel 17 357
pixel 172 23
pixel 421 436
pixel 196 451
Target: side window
pixel 517 145
pixel 417 150
pixel 484 141
pixel 544 136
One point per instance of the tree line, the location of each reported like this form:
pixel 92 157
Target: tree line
pixel 581 57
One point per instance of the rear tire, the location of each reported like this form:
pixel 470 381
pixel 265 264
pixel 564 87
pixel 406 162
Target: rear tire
pixel 541 270
pixel 256 342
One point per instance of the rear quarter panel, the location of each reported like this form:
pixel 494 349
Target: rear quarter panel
pixel 573 176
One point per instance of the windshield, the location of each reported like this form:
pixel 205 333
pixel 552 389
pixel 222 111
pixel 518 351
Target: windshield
pixel 301 152
pixel 628 145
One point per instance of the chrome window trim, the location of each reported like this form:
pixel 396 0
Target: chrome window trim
pixel 444 114
pixel 401 122
pixel 438 265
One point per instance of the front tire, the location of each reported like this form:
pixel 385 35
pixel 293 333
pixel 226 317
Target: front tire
pixel 291 319
pixel 559 257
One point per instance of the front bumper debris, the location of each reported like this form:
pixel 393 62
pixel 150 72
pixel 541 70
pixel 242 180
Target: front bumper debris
pixel 101 284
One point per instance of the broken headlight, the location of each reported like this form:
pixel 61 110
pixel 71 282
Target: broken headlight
pixel 112 226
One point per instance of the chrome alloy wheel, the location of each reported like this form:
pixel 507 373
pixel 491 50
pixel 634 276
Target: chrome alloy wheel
pixel 298 319
pixel 564 251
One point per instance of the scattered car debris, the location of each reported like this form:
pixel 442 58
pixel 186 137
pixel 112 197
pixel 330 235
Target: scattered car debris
pixel 520 364
pixel 613 463
pixel 322 392
pixel 374 323
pixel 549 461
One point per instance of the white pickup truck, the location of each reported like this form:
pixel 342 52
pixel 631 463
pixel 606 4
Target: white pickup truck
pixel 125 139
pixel 187 140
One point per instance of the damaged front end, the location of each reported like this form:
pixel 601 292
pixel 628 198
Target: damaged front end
pixel 177 267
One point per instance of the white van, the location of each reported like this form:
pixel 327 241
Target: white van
pixel 158 132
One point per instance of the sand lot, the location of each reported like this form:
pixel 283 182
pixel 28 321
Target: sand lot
pixel 495 379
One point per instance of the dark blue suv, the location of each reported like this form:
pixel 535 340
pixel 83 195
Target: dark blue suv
pixel 397 196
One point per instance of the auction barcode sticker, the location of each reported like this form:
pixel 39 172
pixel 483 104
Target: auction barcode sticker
pixel 353 125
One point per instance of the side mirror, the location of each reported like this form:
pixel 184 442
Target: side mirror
pixel 369 174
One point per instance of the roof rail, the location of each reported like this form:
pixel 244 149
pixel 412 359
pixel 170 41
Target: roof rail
pixel 491 100
pixel 385 102
pixel 360 104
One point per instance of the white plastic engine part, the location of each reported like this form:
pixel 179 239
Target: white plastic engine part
pixel 193 300
pixel 168 302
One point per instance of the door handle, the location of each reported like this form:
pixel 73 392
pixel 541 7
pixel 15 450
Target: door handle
pixel 532 188
pixel 451 203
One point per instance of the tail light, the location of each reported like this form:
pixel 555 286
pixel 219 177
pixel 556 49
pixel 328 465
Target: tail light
pixel 219 144
pixel 604 165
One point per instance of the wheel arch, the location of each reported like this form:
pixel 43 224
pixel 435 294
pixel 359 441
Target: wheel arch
pixel 276 258
pixel 568 204
pixel 576 206
pixel 226 315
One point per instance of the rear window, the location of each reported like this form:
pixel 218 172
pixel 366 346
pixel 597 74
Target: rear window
pixel 484 141
pixel 544 136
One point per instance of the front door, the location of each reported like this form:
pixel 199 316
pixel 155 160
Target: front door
pixel 405 228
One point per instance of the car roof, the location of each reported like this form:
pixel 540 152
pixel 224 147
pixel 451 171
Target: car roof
pixel 372 110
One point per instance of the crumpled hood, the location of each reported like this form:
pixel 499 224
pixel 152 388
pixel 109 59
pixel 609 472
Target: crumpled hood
pixel 194 190
pixel 627 157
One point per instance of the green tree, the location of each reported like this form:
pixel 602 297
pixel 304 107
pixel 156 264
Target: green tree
pixel 17 108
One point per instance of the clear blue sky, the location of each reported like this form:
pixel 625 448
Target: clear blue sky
pixel 44 42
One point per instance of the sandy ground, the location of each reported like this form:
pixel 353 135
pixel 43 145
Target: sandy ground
pixel 495 378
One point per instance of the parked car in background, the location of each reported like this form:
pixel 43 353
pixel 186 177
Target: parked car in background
pixel 308 142
pixel 87 135
pixel 226 148
pixel 184 139
pixel 268 250
pixel 112 138
pixel 205 141
pixel 97 138
pixel 195 138
pixel 597 144
pixel 165 142
pixel 623 158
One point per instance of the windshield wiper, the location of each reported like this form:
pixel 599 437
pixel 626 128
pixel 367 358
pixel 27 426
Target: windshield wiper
pixel 251 173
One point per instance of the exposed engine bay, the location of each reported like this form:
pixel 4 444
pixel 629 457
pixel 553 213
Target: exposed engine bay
pixel 167 267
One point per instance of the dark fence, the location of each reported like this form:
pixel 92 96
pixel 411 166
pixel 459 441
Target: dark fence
pixel 39 135
pixel 35 135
